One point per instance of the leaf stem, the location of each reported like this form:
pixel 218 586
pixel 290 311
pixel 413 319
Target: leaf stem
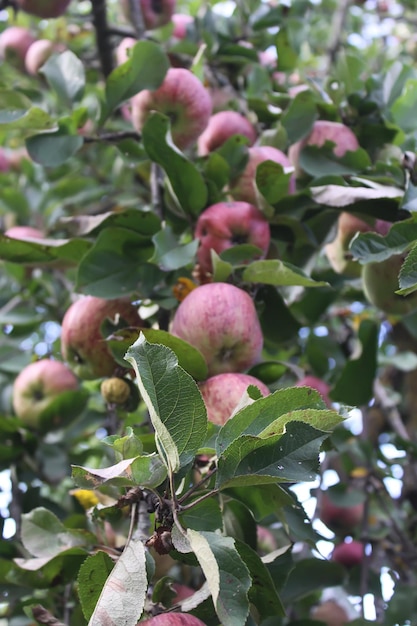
pixel 192 489
pixel 209 494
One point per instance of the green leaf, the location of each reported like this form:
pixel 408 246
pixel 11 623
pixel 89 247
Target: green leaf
pixel 124 593
pixel 127 447
pixel 17 113
pixel 169 253
pixel 279 273
pixel 144 471
pixel 174 402
pixel 311 575
pixel 322 162
pixel 91 578
pixel 262 501
pixel 145 223
pixel 205 515
pixel 272 181
pixel 300 116
pixel 44 536
pixel 145 69
pixel 404 108
pixel 65 74
pixel 113 266
pixel 408 273
pixel 371 247
pixel 355 385
pixel 288 57
pixel 13 106
pixel 53 149
pixel 42 251
pixel 186 181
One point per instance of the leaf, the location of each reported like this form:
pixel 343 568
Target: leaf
pixel 65 73
pixel 227 575
pixel 174 402
pixel 300 116
pixel 288 57
pixel 143 222
pixel 91 578
pixel 279 273
pixel 203 516
pixel 339 196
pixel 408 273
pixel 263 500
pixel 186 181
pixel 144 471
pixel 311 575
pixel 42 251
pixel 371 247
pixel 321 161
pixel 145 69
pixel 355 384
pixel 169 253
pixel 13 106
pixel 272 181
pixel 53 149
pixel 404 107
pixel 43 535
pixel 123 596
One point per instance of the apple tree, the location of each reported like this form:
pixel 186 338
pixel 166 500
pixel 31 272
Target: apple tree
pixel 208 312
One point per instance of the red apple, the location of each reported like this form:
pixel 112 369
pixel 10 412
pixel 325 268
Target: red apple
pixel 4 161
pixel 82 344
pixel 380 281
pixel 331 614
pixel 223 392
pixel 226 224
pixel 221 321
pixel 14 44
pixel 155 13
pixel 24 232
pixel 323 130
pixel 180 22
pixel 221 126
pixel 173 619
pixel 38 53
pixel 318 384
pixel 182 592
pixel 340 519
pixel 44 8
pixel 244 187
pixel 338 252
pixel 183 98
pixel 36 389
pixel 349 553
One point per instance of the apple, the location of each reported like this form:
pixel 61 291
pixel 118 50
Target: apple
pixel 182 592
pixel 331 614
pixel 43 8
pixel 83 345
pixel 349 553
pixel 340 519
pixel 180 22
pixel 14 44
pixel 173 619
pixel 155 13
pixel 36 389
pixel 341 135
pixel 122 50
pixel 338 252
pixel 380 281
pixel 244 187
pixel 221 126
pixel 183 98
pixel 265 540
pixel 24 232
pixel 4 161
pixel 223 392
pixel 221 321
pixel 38 53
pixel 318 384
pixel 226 224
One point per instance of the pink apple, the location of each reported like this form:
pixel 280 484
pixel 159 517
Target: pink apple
pixel 223 392
pixel 330 613
pixel 155 13
pixel 226 224
pixel 221 321
pixel 318 384
pixel 265 540
pixel 173 619
pixel 349 553
pixel 24 232
pixel 4 161
pixel 14 43
pixel 222 126
pixel 38 53
pixel 82 344
pixel 180 22
pixel 37 387
pixel 323 130
pixel 182 592
pixel 244 187
pixel 44 8
pixel 341 519
pixel 183 98
pixel 122 50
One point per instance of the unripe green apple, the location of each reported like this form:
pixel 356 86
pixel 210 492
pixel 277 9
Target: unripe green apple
pixel 380 281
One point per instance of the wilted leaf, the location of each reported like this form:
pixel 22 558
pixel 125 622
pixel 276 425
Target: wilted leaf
pixel 144 471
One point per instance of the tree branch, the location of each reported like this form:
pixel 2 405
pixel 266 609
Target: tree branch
pixel 336 28
pixel 105 51
pixel 136 18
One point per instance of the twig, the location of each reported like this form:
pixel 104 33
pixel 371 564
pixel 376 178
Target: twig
pixel 136 18
pixel 187 507
pixel 43 616
pixel 113 137
pixel 121 31
pixel 205 478
pixel 105 51
pixel 15 506
pixel 336 28
pixel 391 411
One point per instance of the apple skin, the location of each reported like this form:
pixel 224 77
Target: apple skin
pixel 331 614
pixel 225 224
pixel 173 619
pixel 180 22
pixel 323 130
pixel 337 251
pixel 4 161
pixel 349 554
pixel 14 44
pixel 223 392
pixel 318 384
pixel 37 386
pixel 380 281
pixel 24 232
pixel 244 187
pixel 122 54
pixel 341 520
pixel 183 98
pixel 221 126
pixel 265 540
pixel 221 321
pixel 37 54
pixel 155 13
pixel 43 8
pixel 82 345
